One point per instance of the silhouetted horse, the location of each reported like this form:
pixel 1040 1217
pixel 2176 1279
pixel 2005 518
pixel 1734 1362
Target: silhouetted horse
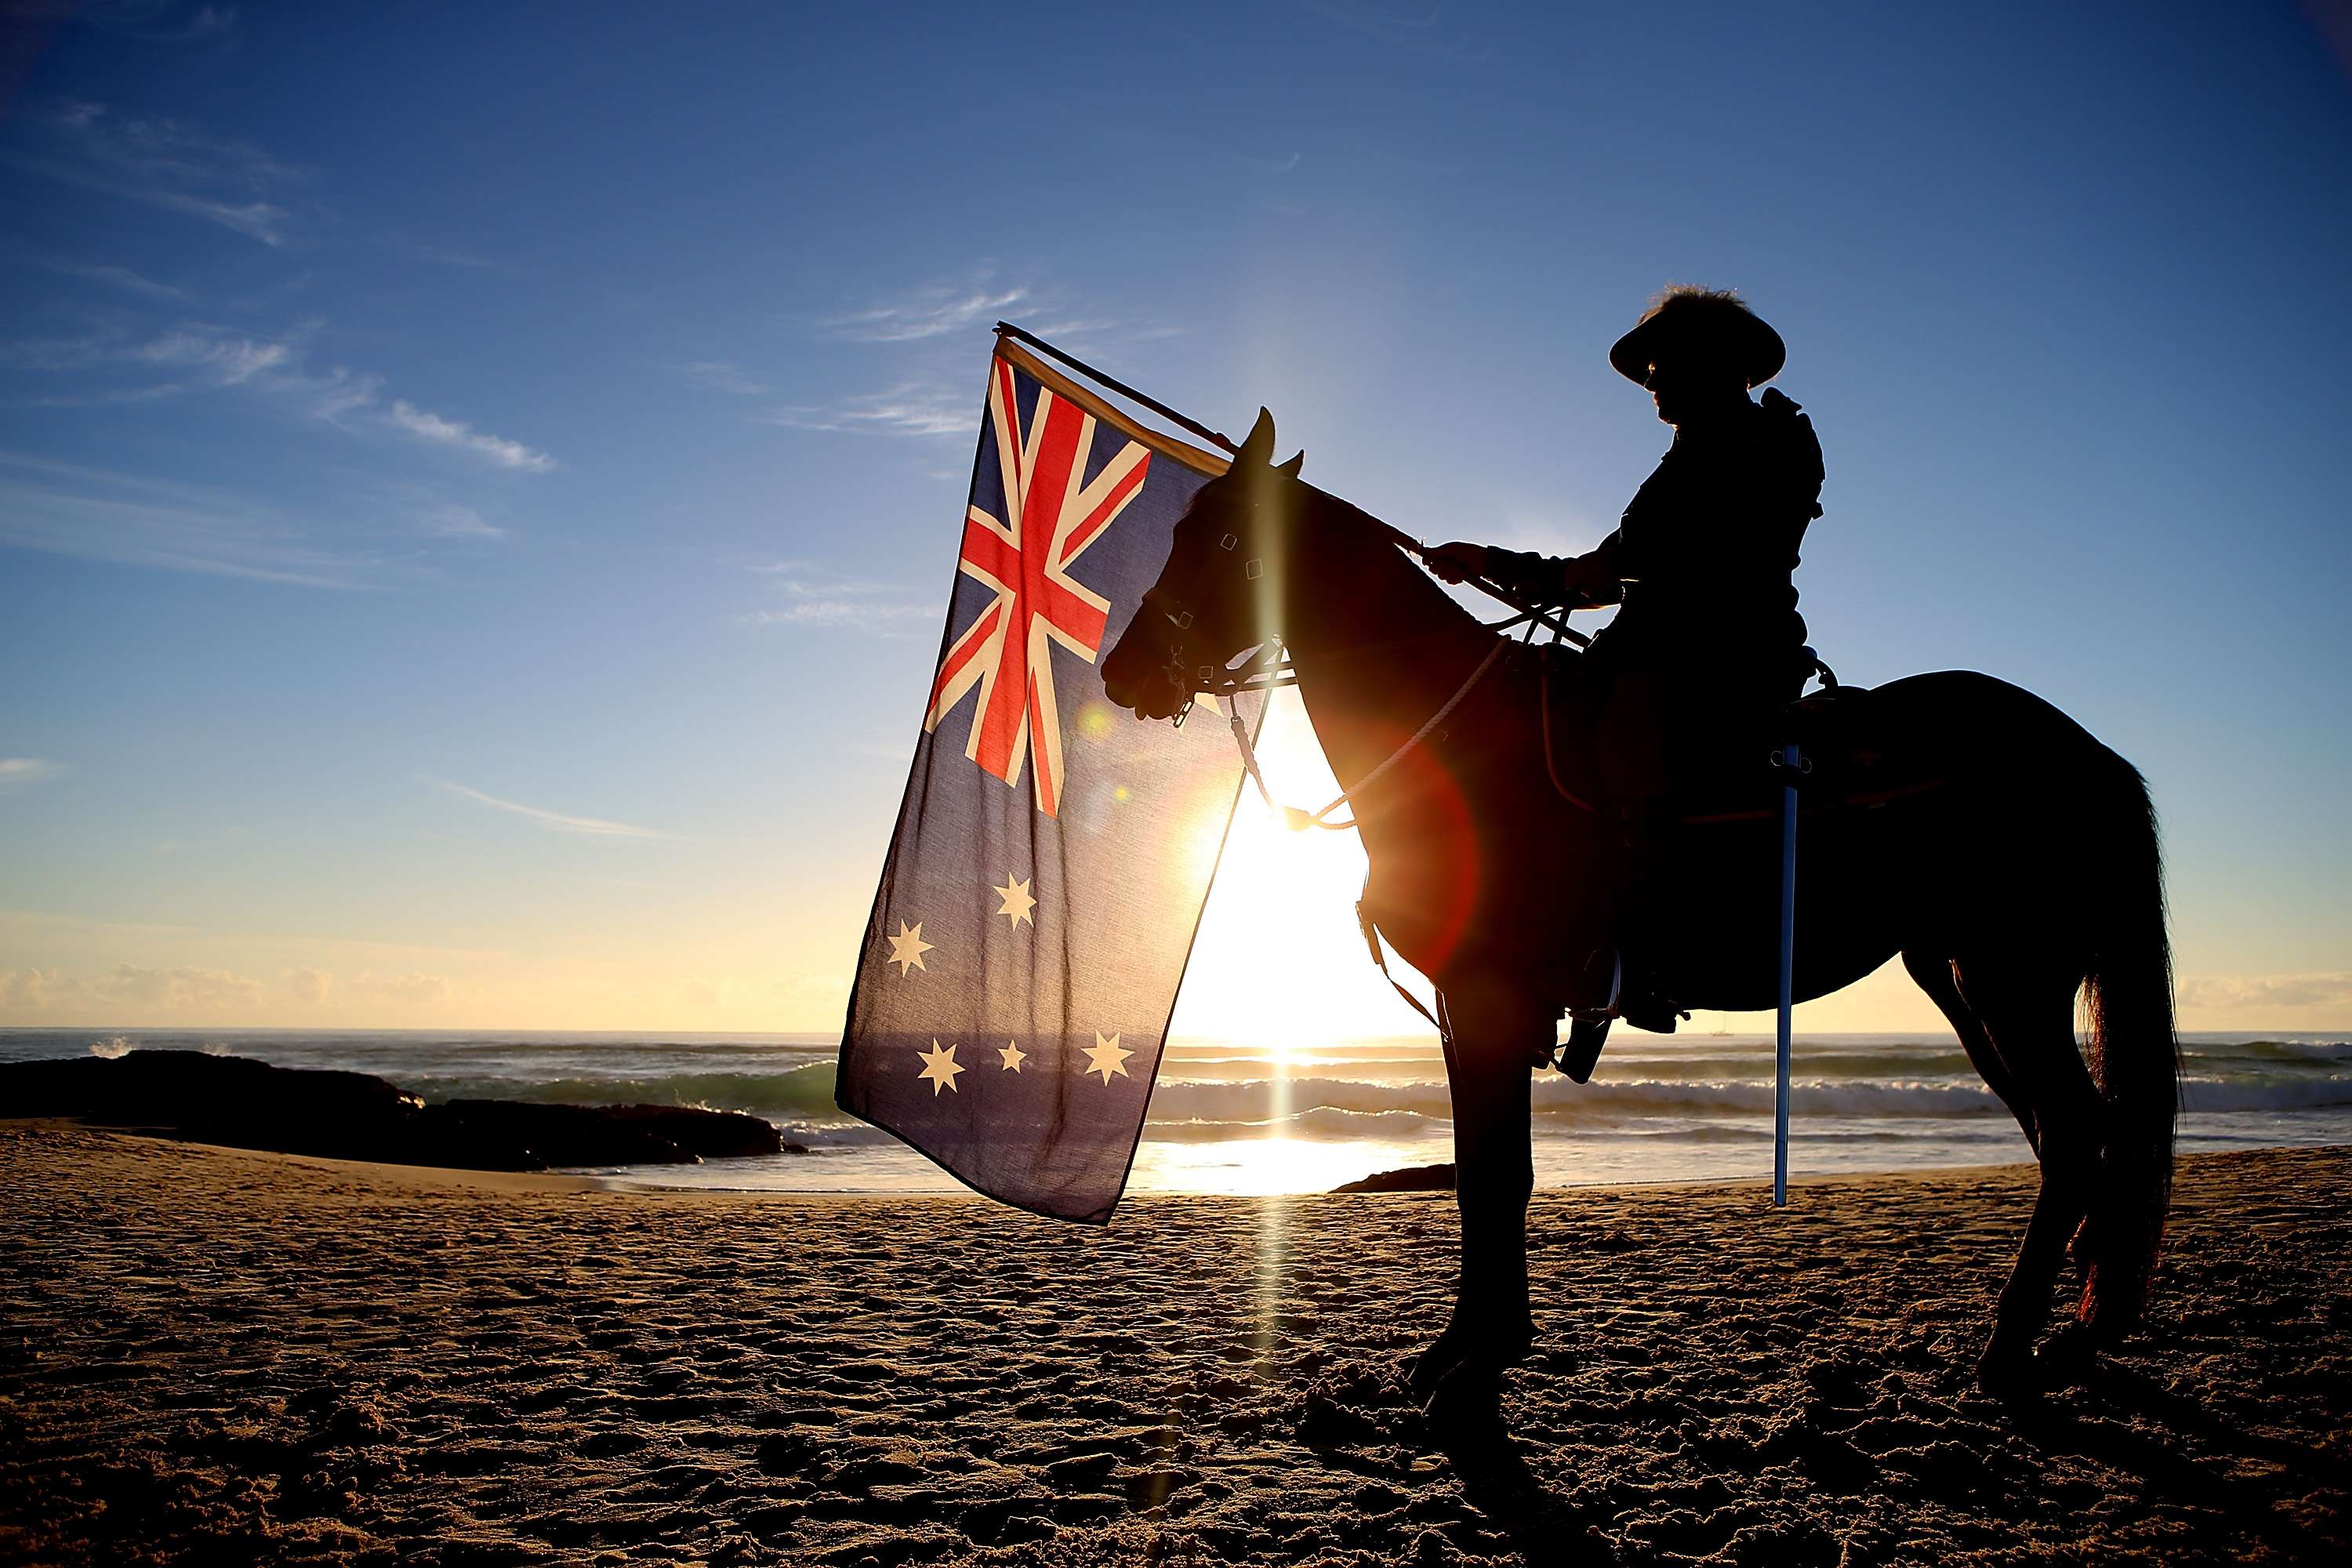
pixel 2006 855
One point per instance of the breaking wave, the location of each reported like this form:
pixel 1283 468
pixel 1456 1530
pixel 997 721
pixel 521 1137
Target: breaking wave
pixel 793 1094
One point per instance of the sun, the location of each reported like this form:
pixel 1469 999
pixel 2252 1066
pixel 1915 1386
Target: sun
pixel 1279 958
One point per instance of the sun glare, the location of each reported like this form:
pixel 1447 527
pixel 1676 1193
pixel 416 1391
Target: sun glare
pixel 1279 958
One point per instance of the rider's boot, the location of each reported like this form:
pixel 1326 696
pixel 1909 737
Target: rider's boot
pixel 1646 926
pixel 1625 976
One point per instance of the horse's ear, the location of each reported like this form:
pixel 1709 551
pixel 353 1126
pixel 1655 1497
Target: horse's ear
pixel 1257 451
pixel 1290 468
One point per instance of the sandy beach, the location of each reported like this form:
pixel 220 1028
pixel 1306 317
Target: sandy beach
pixel 219 1355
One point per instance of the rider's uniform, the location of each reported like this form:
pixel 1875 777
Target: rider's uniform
pixel 1708 643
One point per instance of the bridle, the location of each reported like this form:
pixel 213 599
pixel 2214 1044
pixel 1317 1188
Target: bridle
pixel 1271 667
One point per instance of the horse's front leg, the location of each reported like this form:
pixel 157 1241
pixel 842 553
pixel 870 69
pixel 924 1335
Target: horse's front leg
pixel 1499 1033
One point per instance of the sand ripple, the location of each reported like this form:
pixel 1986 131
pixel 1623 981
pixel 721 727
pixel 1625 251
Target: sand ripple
pixel 243 1357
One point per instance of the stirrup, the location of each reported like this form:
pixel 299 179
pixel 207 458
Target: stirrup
pixel 1608 1009
pixel 1582 1049
pixel 1643 1005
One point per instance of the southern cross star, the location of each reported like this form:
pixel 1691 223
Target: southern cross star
pixel 1013 1055
pixel 907 950
pixel 939 1067
pixel 1105 1058
pixel 1017 902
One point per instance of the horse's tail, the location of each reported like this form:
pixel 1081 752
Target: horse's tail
pixel 2135 1060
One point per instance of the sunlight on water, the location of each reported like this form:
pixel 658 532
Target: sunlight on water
pixel 1255 1166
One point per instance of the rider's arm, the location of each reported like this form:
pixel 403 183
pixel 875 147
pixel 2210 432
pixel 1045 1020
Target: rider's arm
pixel 1527 576
pixel 1591 580
pixel 1580 582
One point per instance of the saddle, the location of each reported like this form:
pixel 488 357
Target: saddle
pixel 1849 759
pixel 1852 758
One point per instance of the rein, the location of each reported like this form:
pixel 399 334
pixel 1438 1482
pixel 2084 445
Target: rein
pixel 1551 767
pixel 1273 668
pixel 1297 820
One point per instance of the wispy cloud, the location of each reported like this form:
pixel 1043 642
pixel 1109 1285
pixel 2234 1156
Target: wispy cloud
pixel 812 597
pixel 88 929
pixel 1263 164
pixel 856 615
pixel 177 985
pixel 148 21
pixel 196 354
pixel 57 353
pixel 559 821
pixel 49 920
pixel 409 985
pixel 69 509
pixel 927 312
pixel 199 355
pixel 457 433
pixel 451 521
pixel 929 394
pixel 162 163
pixel 333 396
pixel 1408 24
pixel 228 358
pixel 2331 988
pixel 911 408
pixel 91 271
pixel 718 375
pixel 453 256
pixel 934 311
pixel 321 986
pixel 22 772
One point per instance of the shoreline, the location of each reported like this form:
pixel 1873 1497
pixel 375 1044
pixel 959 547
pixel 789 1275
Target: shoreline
pixel 392 1174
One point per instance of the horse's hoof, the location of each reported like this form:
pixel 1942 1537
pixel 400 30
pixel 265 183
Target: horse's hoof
pixel 2069 1356
pixel 2005 1374
pixel 1428 1369
pixel 1496 1348
pixel 1468 1400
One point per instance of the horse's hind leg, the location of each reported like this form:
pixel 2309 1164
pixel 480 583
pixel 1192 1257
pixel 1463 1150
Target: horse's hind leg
pixel 1499 1033
pixel 2030 1024
pixel 1934 976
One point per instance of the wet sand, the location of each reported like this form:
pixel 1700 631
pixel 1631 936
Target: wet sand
pixel 215 1355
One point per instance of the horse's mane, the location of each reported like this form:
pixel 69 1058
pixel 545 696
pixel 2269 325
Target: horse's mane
pixel 1385 569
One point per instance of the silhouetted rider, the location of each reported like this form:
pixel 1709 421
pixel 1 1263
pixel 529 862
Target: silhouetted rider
pixel 1709 643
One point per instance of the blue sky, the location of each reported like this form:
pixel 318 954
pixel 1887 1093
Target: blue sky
pixel 478 486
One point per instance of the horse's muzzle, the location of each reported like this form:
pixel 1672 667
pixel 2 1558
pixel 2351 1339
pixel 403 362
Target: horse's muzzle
pixel 1134 680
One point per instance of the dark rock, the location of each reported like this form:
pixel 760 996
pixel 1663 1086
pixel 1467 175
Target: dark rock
pixel 556 1134
pixel 713 1134
pixel 353 1116
pixel 1411 1178
pixel 221 1099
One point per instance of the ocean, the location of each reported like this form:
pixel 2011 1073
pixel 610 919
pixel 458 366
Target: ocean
pixel 1240 1116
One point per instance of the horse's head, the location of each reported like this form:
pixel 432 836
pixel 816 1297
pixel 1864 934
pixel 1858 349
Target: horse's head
pixel 1218 594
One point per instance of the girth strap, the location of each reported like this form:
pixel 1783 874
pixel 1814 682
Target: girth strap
pixel 1380 960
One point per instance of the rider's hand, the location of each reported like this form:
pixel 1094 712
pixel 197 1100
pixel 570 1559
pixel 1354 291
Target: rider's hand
pixel 1456 562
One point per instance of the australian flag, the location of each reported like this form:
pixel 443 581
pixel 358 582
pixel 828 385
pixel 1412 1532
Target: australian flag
pixel 1052 854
